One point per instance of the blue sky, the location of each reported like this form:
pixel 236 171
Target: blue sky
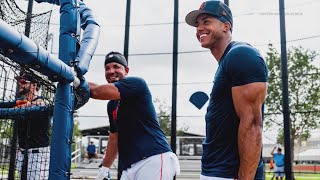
pixel 255 22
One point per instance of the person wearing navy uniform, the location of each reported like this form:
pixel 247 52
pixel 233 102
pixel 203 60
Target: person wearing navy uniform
pixel 135 133
pixel 33 130
pixel 233 144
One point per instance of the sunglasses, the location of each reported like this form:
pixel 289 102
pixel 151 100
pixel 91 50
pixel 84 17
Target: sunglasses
pixel 23 81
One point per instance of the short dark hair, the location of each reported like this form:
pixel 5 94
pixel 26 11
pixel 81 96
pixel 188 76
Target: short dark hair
pixel 279 149
pixel 116 57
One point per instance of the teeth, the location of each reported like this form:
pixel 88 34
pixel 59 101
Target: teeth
pixel 203 35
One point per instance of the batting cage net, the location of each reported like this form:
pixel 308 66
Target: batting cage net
pixel 26 104
pixel 26 108
pixel 13 15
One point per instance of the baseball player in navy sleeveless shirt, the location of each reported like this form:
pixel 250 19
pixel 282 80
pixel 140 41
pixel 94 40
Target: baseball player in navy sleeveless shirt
pixel 233 144
pixel 135 133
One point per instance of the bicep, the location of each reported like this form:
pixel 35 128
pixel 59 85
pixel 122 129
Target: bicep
pixel 248 98
pixel 105 92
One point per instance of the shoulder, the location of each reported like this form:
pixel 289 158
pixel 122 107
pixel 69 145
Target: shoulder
pixel 238 47
pixel 132 81
pixel 242 50
pixel 244 56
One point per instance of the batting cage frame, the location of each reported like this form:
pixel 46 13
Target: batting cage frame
pixel 72 63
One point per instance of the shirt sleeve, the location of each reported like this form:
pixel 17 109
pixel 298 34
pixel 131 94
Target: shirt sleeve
pixel 131 86
pixel 245 65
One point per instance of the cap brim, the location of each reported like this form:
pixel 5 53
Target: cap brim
pixel 191 18
pixel 26 78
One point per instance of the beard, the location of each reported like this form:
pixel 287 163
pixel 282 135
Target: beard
pixel 23 92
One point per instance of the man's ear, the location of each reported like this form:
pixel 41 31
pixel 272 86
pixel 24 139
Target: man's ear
pixel 227 27
pixel 127 70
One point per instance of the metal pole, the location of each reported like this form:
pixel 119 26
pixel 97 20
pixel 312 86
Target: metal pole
pixel 285 93
pixel 174 76
pixel 13 150
pixel 127 31
pixel 28 19
pixel 226 2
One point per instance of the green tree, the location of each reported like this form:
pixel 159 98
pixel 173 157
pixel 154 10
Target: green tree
pixel 164 118
pixel 304 93
pixel 76 133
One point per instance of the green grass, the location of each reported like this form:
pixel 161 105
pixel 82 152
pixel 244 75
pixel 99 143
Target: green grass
pixel 298 176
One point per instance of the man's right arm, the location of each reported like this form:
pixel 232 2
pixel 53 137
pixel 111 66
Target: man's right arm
pixel 272 152
pixel 112 150
pixel 104 92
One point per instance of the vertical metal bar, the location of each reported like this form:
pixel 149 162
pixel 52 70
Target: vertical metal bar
pixel 13 150
pixel 127 31
pixel 174 76
pixel 285 93
pixel 28 18
pixel 226 2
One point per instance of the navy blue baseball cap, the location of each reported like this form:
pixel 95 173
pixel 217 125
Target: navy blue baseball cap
pixel 116 57
pixel 214 8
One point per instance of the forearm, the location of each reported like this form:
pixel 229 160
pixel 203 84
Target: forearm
pixel 249 145
pixel 111 153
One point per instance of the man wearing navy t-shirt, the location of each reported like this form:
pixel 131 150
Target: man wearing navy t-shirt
pixel 91 151
pixel 135 133
pixel 233 144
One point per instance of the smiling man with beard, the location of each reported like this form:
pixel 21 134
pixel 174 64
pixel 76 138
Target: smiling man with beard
pixel 135 132
pixel 233 144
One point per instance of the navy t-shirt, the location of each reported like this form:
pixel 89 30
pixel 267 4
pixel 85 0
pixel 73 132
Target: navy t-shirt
pixel 240 64
pixel 33 129
pixel 135 119
pixel 91 149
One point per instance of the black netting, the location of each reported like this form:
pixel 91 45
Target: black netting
pixel 13 15
pixel 26 108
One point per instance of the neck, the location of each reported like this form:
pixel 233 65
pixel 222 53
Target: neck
pixel 218 50
pixel 30 96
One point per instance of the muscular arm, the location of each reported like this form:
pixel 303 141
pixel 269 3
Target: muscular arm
pixel 248 100
pixel 104 92
pixel 112 150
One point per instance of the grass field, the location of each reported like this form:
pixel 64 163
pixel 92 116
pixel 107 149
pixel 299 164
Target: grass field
pixel 298 176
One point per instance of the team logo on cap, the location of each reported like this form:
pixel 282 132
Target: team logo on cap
pixel 202 6
pixel 110 56
pixel 224 13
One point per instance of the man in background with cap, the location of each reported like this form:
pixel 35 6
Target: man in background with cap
pixel 33 130
pixel 91 152
pixel 233 144
pixel 279 163
pixel 135 133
